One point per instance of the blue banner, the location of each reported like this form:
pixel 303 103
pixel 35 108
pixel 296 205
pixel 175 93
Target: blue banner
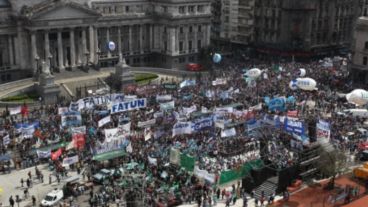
pixel 71 118
pixel 35 124
pixel 294 126
pixel 277 104
pixel 252 124
pixel 202 123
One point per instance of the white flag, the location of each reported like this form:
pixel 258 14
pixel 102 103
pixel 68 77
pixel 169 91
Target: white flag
pixel 129 148
pixel 104 121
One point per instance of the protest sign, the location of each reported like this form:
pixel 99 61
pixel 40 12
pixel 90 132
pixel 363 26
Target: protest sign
pixel 62 110
pixel 170 86
pixel 146 123
pixel 71 118
pixel 78 136
pixel 161 98
pixel 115 134
pixel 182 128
pixel 199 124
pixel 228 132
pixel 70 160
pixel 15 110
pixel 43 154
pixel 219 81
pixel 323 130
pixel 91 102
pixel 294 126
pixel 167 106
pixel 104 121
pixel 276 104
pixel 6 140
pixel 187 83
pixel 129 105
pixel 203 174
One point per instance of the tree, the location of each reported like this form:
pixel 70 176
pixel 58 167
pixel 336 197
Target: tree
pixel 331 163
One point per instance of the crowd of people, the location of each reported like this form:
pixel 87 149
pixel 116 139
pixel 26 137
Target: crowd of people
pixel 165 182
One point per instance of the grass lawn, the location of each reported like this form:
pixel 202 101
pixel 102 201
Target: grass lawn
pixel 144 78
pixel 25 97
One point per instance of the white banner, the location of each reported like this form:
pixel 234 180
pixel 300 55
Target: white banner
pixel 182 128
pixel 78 130
pixel 115 134
pixel 221 110
pixel 188 111
pixel 323 130
pixel 15 110
pixel 148 123
pixel 167 106
pixel 219 81
pixel 126 127
pixel 70 160
pixel 228 132
pixel 174 156
pixel 129 105
pixel 62 110
pixel 160 98
pixel 220 124
pixel 28 132
pixel 204 174
pixel 104 121
pixel 44 154
pixel 91 102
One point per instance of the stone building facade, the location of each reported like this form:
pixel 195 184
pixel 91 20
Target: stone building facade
pixel 291 28
pixel 359 66
pixel 68 34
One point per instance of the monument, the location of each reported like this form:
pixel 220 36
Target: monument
pixel 123 72
pixel 47 88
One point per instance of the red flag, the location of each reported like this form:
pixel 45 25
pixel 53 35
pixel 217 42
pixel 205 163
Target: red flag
pixel 79 140
pixel 55 155
pixel 24 110
pixel 38 134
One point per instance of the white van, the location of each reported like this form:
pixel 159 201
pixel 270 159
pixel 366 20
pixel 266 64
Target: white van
pixel 361 113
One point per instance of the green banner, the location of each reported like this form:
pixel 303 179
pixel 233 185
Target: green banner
pixel 109 155
pixel 171 86
pixel 236 174
pixel 187 162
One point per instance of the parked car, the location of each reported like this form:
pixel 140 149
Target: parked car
pixel 53 198
pixel 101 176
pixel 194 67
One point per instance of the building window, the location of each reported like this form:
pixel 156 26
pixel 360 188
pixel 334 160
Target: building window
pixel 165 30
pixel 365 60
pixel 191 9
pixel 181 9
pixel 182 60
pixel 199 28
pixel 181 46
pixel 200 8
pixel 190 29
pixel 190 45
pixel 181 30
pixel 127 9
pixel 164 8
pixel 191 59
pixel 199 44
pixel 165 45
pixel 366 45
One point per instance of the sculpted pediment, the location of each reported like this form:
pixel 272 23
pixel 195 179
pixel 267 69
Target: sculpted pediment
pixel 64 12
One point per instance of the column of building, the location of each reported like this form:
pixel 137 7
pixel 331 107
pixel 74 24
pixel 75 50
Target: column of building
pixel 151 27
pixel 186 31
pixel 84 47
pixel 195 39
pixel 11 51
pixel 141 44
pixel 60 50
pixel 92 50
pixel 119 41
pixel 108 40
pixel 130 40
pixel 34 57
pixel 72 49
